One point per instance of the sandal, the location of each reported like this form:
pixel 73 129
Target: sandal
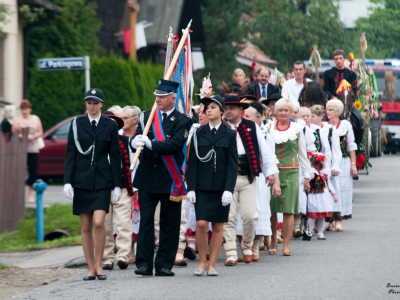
pixel 287 253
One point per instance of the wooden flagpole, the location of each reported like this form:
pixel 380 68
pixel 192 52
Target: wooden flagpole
pixel 167 77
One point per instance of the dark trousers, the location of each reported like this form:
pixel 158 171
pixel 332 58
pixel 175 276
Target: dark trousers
pixel 32 168
pixel 170 220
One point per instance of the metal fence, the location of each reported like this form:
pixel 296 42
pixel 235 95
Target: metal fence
pixel 13 170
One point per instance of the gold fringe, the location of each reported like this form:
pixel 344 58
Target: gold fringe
pixel 177 199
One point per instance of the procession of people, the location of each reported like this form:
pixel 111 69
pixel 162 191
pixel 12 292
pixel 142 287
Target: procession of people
pixel 253 170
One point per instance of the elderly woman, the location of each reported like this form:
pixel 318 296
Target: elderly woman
pixel 35 130
pixel 290 149
pixel 343 209
pixel 6 124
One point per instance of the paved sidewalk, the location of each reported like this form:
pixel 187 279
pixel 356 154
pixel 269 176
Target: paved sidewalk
pixel 64 257
pixel 53 194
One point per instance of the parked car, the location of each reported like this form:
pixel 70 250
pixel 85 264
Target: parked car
pixel 51 157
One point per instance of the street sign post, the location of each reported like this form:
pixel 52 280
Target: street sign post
pixel 67 63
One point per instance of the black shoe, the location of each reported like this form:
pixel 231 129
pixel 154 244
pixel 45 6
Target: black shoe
pixel 101 277
pixel 86 278
pixel 108 266
pixel 189 253
pixel 164 272
pixel 144 271
pixel 122 264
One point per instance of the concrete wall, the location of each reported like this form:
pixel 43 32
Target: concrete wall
pixel 13 57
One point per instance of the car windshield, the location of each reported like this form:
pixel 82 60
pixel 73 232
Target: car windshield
pixel 380 80
pixel 61 132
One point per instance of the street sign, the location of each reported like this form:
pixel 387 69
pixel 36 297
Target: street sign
pixel 67 63
pixel 58 64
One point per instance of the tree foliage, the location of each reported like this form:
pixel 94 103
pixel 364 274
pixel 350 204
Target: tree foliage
pixel 5 11
pixel 71 33
pixel 224 36
pixel 286 34
pixel 382 29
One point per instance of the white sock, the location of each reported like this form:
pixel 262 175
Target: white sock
pixel 310 224
pixel 321 223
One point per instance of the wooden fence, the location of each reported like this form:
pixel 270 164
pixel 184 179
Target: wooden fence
pixel 13 172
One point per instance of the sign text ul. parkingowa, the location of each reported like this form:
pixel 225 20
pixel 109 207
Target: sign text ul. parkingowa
pixel 67 63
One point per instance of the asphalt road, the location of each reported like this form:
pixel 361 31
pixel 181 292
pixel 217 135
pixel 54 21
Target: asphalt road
pixel 358 263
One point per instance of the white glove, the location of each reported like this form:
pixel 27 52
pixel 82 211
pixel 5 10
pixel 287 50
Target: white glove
pixel 146 141
pixel 69 191
pixel 116 195
pixel 136 142
pixel 226 198
pixel 191 197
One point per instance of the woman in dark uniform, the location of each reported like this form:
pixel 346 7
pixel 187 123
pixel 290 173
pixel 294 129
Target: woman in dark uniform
pixel 211 178
pixel 92 170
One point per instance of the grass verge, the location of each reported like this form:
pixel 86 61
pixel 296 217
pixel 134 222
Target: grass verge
pixel 55 217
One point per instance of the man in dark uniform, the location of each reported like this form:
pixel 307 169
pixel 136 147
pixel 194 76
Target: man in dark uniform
pixel 261 88
pixel 334 76
pixel 153 180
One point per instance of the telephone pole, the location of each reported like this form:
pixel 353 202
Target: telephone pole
pixel 135 8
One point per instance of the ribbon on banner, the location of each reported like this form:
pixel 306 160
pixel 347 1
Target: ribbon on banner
pixel 178 189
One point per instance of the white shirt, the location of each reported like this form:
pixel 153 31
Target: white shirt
pixel 268 158
pixel 291 89
pixel 97 119
pixel 216 127
pixel 167 112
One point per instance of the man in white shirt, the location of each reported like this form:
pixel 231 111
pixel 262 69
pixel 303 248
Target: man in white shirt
pixel 291 88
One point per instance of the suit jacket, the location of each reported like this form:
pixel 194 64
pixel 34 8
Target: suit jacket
pixel 201 175
pixel 105 172
pixel 254 89
pixel 152 175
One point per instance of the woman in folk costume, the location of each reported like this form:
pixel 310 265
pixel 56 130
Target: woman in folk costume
pixel 342 209
pixel 290 149
pixel 309 139
pixel 211 178
pixel 321 195
pixel 254 113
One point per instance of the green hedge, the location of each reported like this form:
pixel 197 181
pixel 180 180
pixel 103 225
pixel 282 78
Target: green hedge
pixel 56 95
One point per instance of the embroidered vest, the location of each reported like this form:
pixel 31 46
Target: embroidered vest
pixel 318 183
pixel 343 146
pixel 248 135
pixel 317 142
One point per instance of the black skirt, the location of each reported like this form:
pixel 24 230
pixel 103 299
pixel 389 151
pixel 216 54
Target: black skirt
pixel 209 207
pixel 90 200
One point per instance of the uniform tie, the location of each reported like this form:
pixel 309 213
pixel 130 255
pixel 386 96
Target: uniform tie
pixel 213 131
pixel 94 126
pixel 164 117
pixel 263 94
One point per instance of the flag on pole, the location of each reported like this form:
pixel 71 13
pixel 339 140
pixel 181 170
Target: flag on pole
pixel 184 75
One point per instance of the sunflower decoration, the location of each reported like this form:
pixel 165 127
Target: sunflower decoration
pixel 358 105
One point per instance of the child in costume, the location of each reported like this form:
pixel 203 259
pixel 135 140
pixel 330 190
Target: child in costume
pixel 321 195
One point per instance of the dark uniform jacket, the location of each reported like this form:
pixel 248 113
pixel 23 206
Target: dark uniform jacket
pixel 103 173
pixel 202 175
pixel 334 76
pixel 254 89
pixel 152 175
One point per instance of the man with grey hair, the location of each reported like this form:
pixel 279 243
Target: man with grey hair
pixel 6 124
pixel 261 87
pixel 159 179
